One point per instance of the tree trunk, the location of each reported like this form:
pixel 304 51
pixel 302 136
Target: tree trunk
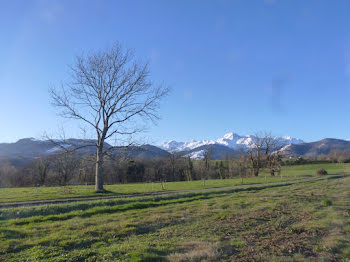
pixel 256 172
pixel 99 170
pixel 272 172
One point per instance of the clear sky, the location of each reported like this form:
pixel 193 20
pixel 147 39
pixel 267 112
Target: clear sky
pixel 242 66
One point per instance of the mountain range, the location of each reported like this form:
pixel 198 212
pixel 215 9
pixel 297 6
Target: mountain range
pixel 321 147
pixel 26 150
pixel 231 144
pixel 231 140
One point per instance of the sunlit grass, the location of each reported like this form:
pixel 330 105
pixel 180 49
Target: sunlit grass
pixel 288 173
pixel 298 222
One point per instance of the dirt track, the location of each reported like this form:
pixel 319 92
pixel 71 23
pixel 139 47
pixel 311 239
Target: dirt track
pixel 113 196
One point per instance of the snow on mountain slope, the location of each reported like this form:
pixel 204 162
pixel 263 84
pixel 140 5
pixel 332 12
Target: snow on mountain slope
pixel 246 142
pixel 173 146
pixel 194 144
pixel 290 140
pixel 57 149
pixel 196 155
pixel 231 140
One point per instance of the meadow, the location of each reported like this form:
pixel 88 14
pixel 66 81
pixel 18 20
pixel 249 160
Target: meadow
pixel 282 221
pixel 288 173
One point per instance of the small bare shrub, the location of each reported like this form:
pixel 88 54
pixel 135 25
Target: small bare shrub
pixel 321 172
pixel 327 202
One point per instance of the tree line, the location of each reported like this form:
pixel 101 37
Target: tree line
pixel 68 168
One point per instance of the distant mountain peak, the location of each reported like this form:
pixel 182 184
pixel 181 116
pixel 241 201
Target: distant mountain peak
pixel 230 139
pixel 229 136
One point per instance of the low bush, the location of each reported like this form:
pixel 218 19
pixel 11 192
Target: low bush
pixel 321 172
pixel 327 202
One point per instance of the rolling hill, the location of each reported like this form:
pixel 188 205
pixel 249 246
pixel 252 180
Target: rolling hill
pixel 313 149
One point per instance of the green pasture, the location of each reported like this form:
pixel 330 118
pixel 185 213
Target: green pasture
pixel 288 173
pixel 308 221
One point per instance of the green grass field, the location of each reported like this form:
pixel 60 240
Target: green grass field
pixel 306 221
pixel 288 173
pixel 300 222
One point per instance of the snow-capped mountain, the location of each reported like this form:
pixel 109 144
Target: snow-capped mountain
pixel 291 140
pixel 230 145
pixel 231 140
pixel 173 146
pixel 196 155
pixel 216 151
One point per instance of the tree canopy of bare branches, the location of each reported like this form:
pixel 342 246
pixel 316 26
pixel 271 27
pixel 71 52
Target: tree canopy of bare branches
pixel 110 93
pixel 264 151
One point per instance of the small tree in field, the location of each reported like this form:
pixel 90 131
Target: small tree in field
pixel 264 151
pixel 255 152
pixel 272 147
pixel 109 92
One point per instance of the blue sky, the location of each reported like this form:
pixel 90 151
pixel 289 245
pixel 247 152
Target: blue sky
pixel 242 66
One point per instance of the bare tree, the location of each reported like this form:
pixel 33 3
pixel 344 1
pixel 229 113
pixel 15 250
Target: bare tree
pixel 172 161
pixel 264 151
pixel 205 166
pixel 42 165
pixel 109 92
pixel 65 165
pixel 7 172
pixel 189 169
pixel 255 152
pixel 273 156
pixel 337 156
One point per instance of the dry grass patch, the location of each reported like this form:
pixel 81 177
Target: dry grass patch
pixel 195 251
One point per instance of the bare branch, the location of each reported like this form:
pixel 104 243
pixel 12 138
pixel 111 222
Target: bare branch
pixel 108 92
